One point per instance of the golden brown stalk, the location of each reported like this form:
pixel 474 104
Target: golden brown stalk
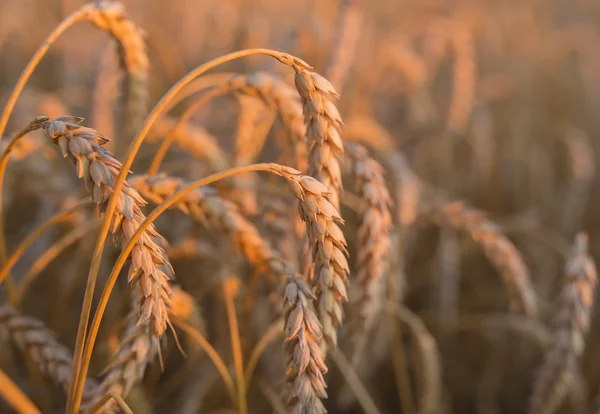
pixel 306 362
pixel 373 239
pixel 347 35
pixel 33 338
pixel 571 326
pixel 328 247
pixel 150 269
pixel 111 16
pixel 323 124
pixel 499 250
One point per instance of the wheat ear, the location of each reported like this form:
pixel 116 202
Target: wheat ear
pixel 136 350
pixel 571 326
pixel 373 239
pixel 499 250
pixel 306 362
pixel 111 16
pixel 328 247
pixel 32 337
pixel 323 124
pixel 150 269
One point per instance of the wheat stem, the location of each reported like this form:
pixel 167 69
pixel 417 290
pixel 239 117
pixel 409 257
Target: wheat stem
pixel 210 351
pixel 274 332
pixel 230 288
pixel 15 397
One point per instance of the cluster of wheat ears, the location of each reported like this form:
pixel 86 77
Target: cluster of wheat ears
pixel 295 293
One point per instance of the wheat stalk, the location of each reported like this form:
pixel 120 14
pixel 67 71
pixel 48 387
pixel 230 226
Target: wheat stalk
pixel 571 326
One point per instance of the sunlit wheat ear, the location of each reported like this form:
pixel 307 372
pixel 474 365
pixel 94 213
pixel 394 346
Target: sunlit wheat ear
pixel 150 269
pixel 31 336
pixel 570 328
pixel 373 239
pixel 306 362
pixel 111 16
pixel 323 124
pixel 499 250
pixel 328 247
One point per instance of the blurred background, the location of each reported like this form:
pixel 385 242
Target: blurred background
pixel 493 102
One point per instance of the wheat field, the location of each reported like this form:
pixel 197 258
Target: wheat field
pixel 256 206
